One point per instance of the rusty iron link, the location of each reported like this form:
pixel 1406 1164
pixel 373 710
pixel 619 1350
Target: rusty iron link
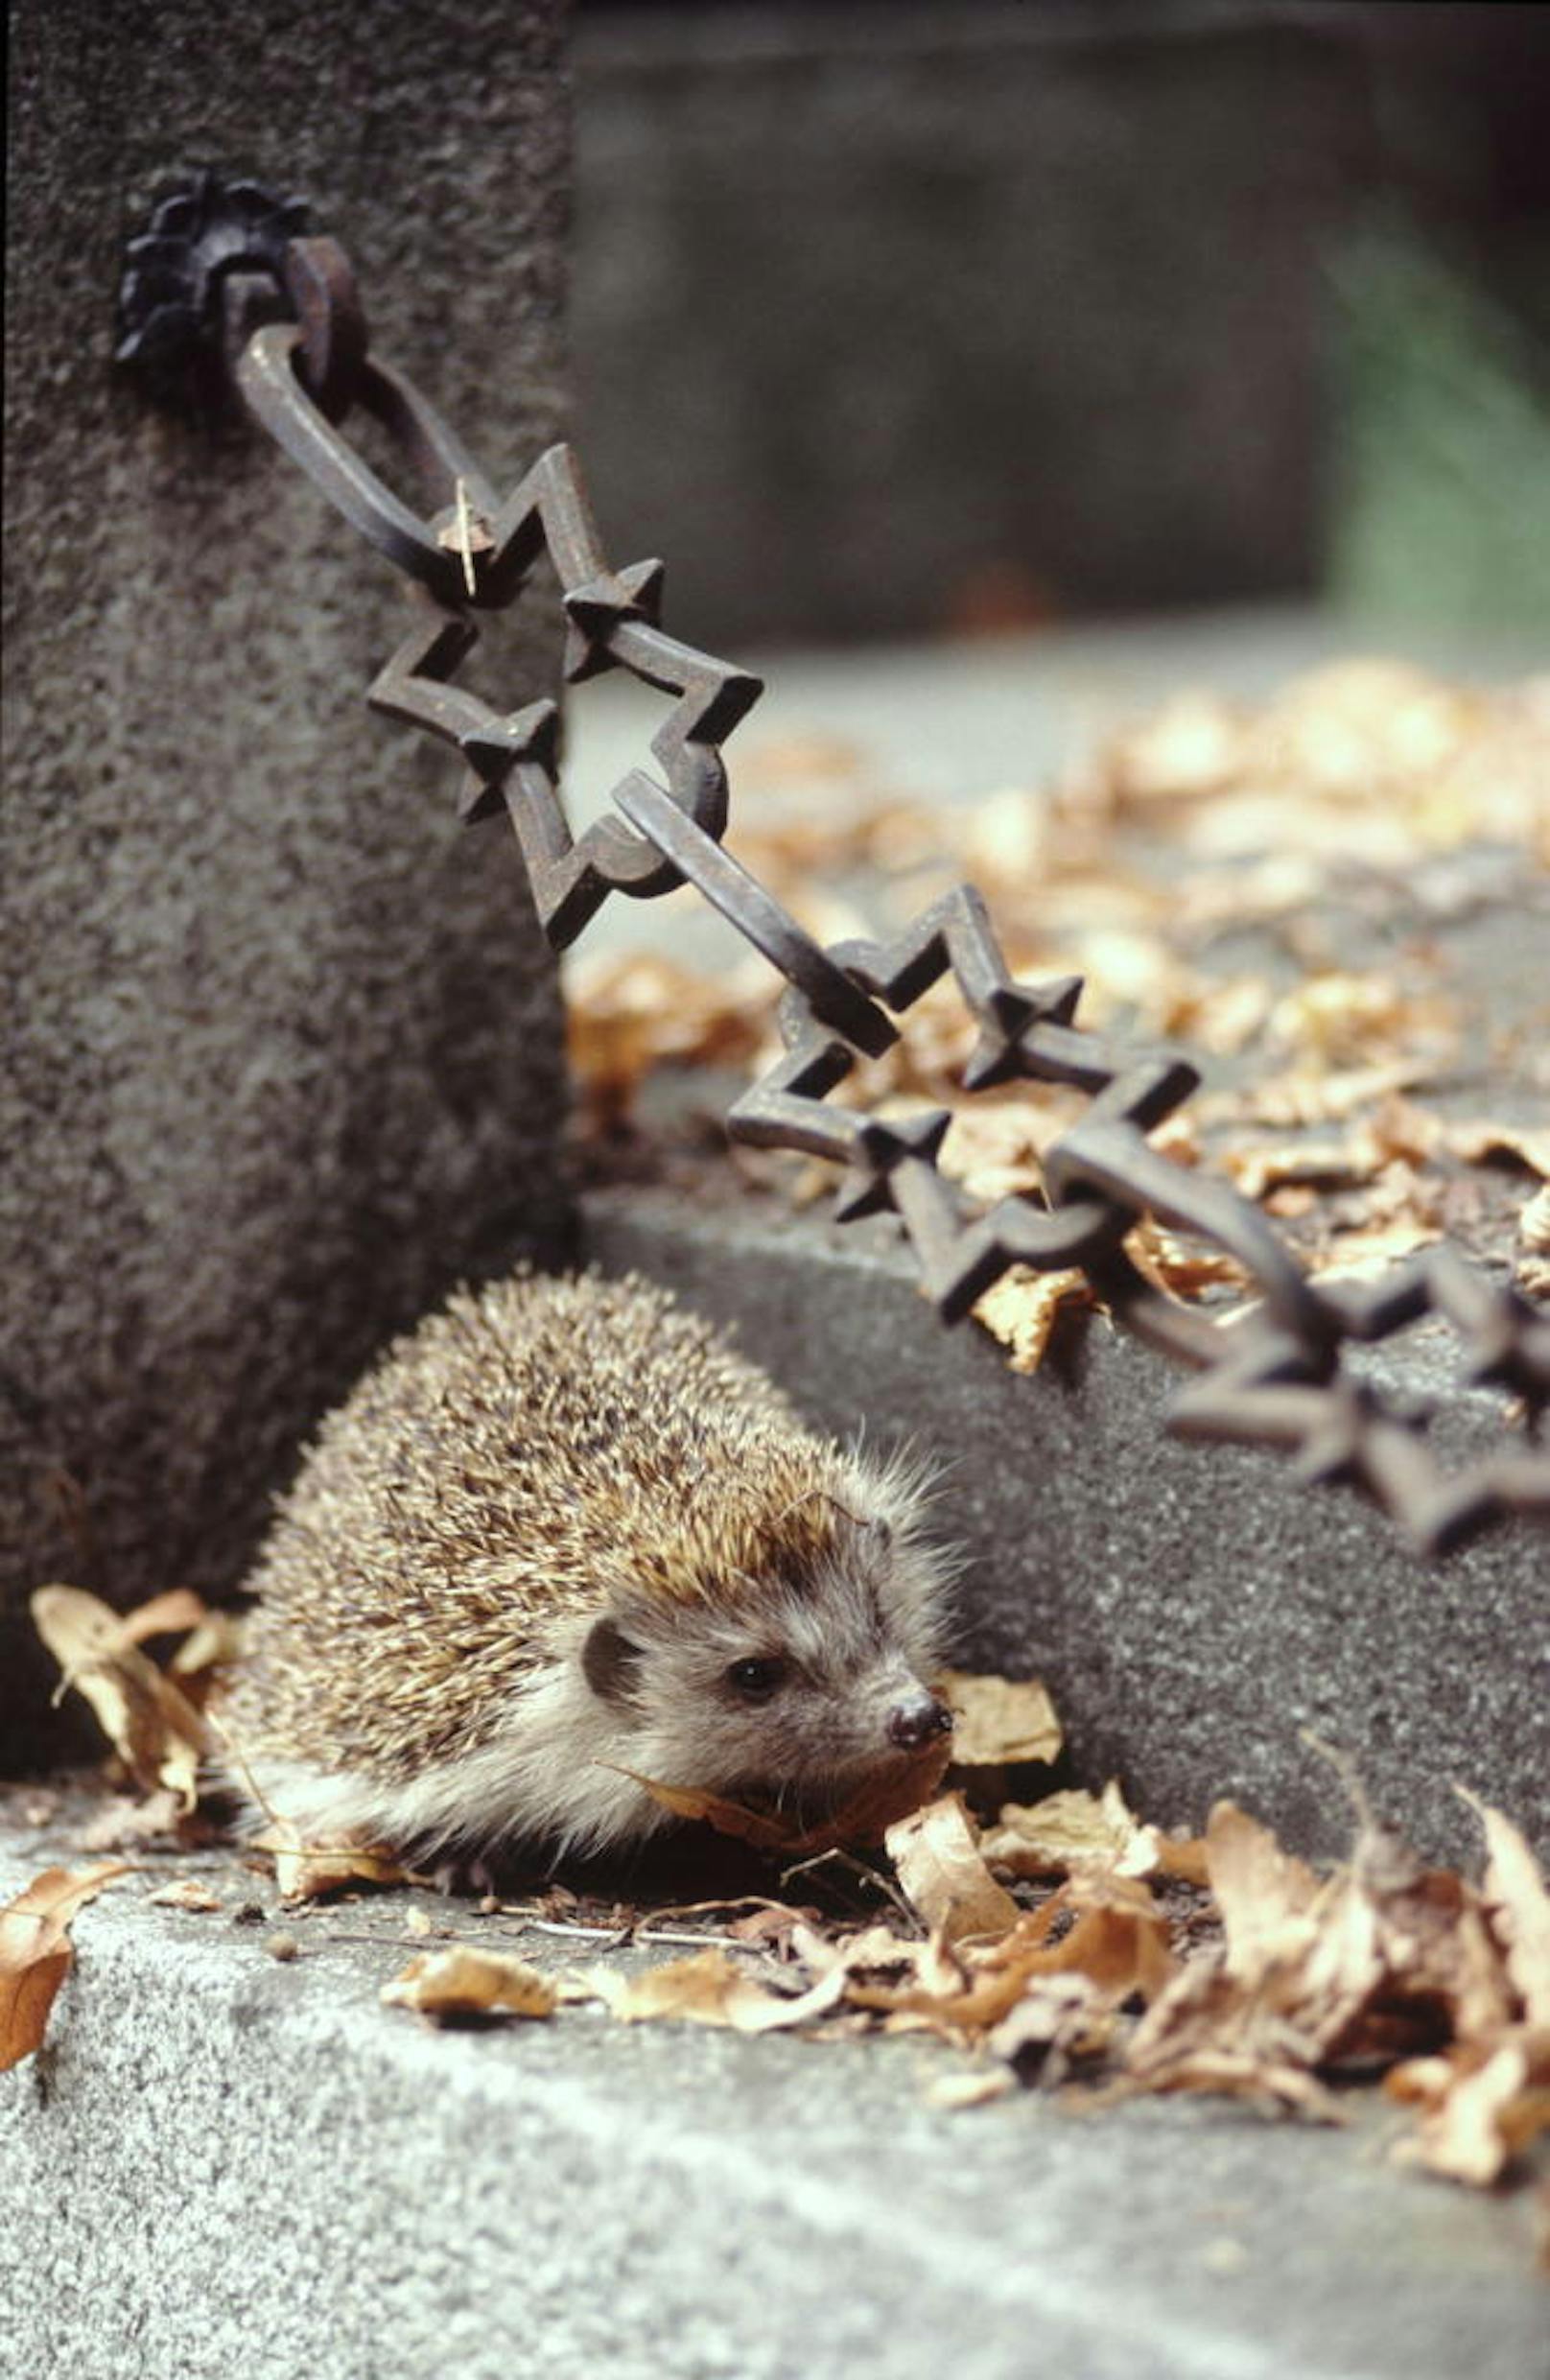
pixel 234 266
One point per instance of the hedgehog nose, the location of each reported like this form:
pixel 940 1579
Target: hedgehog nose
pixel 914 1724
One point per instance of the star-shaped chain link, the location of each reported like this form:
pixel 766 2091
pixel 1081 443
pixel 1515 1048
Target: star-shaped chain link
pixel 514 757
pixel 1270 1378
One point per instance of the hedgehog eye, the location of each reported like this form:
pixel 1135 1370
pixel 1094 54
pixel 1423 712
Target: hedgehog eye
pixel 757 1679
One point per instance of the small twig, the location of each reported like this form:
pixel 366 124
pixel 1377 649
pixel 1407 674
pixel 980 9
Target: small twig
pixel 619 1937
pixel 703 1908
pixel 1350 1775
pixel 857 1867
pixel 228 1744
pixel 465 536
pixel 612 1937
pixel 694 1942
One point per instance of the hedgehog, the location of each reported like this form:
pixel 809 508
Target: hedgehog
pixel 561 1539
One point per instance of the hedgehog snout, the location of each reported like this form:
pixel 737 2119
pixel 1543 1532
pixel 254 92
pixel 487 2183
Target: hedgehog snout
pixel 918 1720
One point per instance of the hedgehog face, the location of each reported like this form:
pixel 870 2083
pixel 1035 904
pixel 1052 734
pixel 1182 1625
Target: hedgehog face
pixel 813 1679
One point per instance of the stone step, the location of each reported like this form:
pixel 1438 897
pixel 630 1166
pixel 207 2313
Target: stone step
pixel 222 2164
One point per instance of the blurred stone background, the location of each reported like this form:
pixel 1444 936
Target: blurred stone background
pixel 893 319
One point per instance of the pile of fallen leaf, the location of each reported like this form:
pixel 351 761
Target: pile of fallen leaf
pixel 1355 786
pixel 1257 1979
pixel 1060 1939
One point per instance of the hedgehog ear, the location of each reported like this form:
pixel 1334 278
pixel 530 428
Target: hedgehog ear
pixel 610 1662
pixel 869 1540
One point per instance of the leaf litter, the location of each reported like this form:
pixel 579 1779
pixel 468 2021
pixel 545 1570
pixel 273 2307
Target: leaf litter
pixel 1058 1939
pixel 149 1721
pixel 1367 792
pixel 863 1817
pixel 1268 1982
pixel 36 1954
pixel 306 1871
pixel 465 1982
pixel 1000 1721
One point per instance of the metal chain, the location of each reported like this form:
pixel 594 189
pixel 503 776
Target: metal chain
pixel 1275 1375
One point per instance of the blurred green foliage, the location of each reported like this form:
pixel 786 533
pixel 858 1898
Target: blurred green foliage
pixel 1441 502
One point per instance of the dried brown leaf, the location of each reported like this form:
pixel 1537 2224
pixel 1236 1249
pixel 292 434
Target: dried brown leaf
pixel 1534 1223
pixel 1532 1277
pixel 1192 746
pixel 1264 1893
pixel 1067 1831
pixel 938 1991
pixel 1181 1266
pixel 1064 2011
pixel 943 1875
pixel 1117 1945
pixel 212 1641
pixel 154 1729
pixel 711 1988
pixel 214 1644
pixel 863 1817
pixel 1120 1937
pixel 35 1954
pixel 1223 1017
pixel 1312 1974
pixel 1426 1934
pixel 994 1147
pixel 1254 2018
pixel 770 1926
pixel 766 1829
pixel 1022 1309
pixel 1182 1856
pixel 1000 1719
pixel 1358 1254
pixel 877 1951
pixel 1518 1908
pixel 1480 2110
pixel 169 1615
pixel 955 2091
pixel 1210 2031
pixel 1244 2074
pixel 465 1982
pixel 185 1893
pixel 1300 1099
pixel 1258 1170
pixel 304 1870
pixel 1480 1140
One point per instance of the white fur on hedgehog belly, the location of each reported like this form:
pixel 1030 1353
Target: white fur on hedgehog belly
pixel 551 1769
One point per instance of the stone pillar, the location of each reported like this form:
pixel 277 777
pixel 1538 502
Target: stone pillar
pixel 282 1044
